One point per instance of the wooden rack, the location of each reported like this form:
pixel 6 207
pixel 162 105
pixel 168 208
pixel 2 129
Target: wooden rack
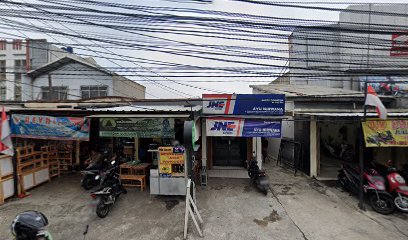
pixel 6 178
pixel 54 162
pixel 65 156
pixel 32 167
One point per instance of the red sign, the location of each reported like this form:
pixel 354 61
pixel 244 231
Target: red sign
pixel 399 44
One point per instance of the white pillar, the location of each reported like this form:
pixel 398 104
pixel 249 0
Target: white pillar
pixel 313 149
pixel 258 151
pixel 203 144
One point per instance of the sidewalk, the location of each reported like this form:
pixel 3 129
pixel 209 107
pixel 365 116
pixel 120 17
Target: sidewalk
pixel 231 209
pixel 323 212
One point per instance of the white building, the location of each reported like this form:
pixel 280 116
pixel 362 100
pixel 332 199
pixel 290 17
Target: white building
pixel 72 77
pixel 16 58
pixel 369 42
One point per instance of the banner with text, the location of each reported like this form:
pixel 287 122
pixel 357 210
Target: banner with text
pixel 137 127
pixel 388 133
pixel 47 127
pixel 244 104
pixel 234 127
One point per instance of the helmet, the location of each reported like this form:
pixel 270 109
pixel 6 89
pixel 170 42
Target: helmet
pixel 28 224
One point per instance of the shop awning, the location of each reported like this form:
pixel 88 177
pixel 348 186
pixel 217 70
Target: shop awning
pixel 245 116
pixel 140 116
pixel 350 114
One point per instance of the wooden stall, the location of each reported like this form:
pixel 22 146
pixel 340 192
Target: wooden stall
pixel 32 167
pixel 6 178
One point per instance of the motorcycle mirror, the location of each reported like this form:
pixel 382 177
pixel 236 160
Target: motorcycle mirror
pixel 97 177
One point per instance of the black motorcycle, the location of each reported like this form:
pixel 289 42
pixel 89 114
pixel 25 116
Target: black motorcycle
pixel 111 188
pixel 88 180
pixel 258 177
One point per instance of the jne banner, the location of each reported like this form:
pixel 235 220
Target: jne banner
pixel 47 127
pixel 389 133
pixel 234 127
pixel 244 104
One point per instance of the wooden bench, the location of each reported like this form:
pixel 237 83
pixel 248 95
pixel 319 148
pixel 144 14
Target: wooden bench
pixel 134 181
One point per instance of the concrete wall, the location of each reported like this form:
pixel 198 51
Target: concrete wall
pixel 346 46
pixel 63 77
pixel 125 87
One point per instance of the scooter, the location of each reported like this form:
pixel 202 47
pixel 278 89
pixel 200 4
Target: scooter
pixel 373 188
pixel 343 151
pixel 258 176
pixel 111 188
pixel 88 180
pixel 397 187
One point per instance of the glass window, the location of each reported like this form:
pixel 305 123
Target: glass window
pixel 3 90
pixel 92 91
pixel 3 70
pixel 58 93
pixel 17 92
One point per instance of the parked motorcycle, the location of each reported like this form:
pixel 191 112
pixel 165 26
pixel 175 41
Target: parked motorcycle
pixel 373 187
pixel 258 176
pixel 404 172
pixel 396 185
pixel 96 168
pixel 343 151
pixel 111 188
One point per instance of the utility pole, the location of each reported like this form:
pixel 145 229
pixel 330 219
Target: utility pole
pixel 49 87
pixel 362 141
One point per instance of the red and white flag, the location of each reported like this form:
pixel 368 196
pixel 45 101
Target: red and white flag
pixel 373 100
pixel 6 146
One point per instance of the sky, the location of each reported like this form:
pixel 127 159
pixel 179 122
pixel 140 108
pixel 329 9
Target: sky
pixel 158 83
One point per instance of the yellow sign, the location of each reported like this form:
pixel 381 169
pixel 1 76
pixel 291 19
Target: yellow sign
pixel 165 149
pixel 167 157
pixel 165 168
pixel 387 133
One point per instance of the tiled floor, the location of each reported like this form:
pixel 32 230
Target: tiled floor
pixel 224 172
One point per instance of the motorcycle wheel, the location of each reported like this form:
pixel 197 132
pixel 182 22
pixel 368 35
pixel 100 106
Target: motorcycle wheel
pixel 86 183
pixel 265 191
pixel 401 202
pixel 102 209
pixel 384 205
pixel 341 181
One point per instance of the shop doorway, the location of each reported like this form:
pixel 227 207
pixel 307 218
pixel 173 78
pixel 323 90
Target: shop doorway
pixel 229 151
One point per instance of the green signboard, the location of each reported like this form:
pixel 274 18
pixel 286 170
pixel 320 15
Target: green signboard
pixel 137 127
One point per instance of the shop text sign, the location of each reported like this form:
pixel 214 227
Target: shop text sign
pixel 388 133
pixel 244 104
pixel 399 44
pixel 243 127
pixel 48 127
pixel 137 127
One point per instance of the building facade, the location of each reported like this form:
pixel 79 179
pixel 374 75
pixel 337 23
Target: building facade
pixel 25 67
pixel 366 44
pixel 74 78
pixel 17 57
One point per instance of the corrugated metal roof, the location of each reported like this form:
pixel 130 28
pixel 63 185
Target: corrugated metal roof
pixel 149 108
pixel 307 91
pixel 140 116
pixel 321 114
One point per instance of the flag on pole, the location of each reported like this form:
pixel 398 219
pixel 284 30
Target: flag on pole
pixel 6 146
pixel 373 100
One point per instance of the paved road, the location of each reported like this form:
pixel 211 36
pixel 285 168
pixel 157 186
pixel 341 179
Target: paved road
pixel 231 208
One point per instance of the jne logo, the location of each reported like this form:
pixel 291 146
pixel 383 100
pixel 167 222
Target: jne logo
pixel 224 126
pixel 218 105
